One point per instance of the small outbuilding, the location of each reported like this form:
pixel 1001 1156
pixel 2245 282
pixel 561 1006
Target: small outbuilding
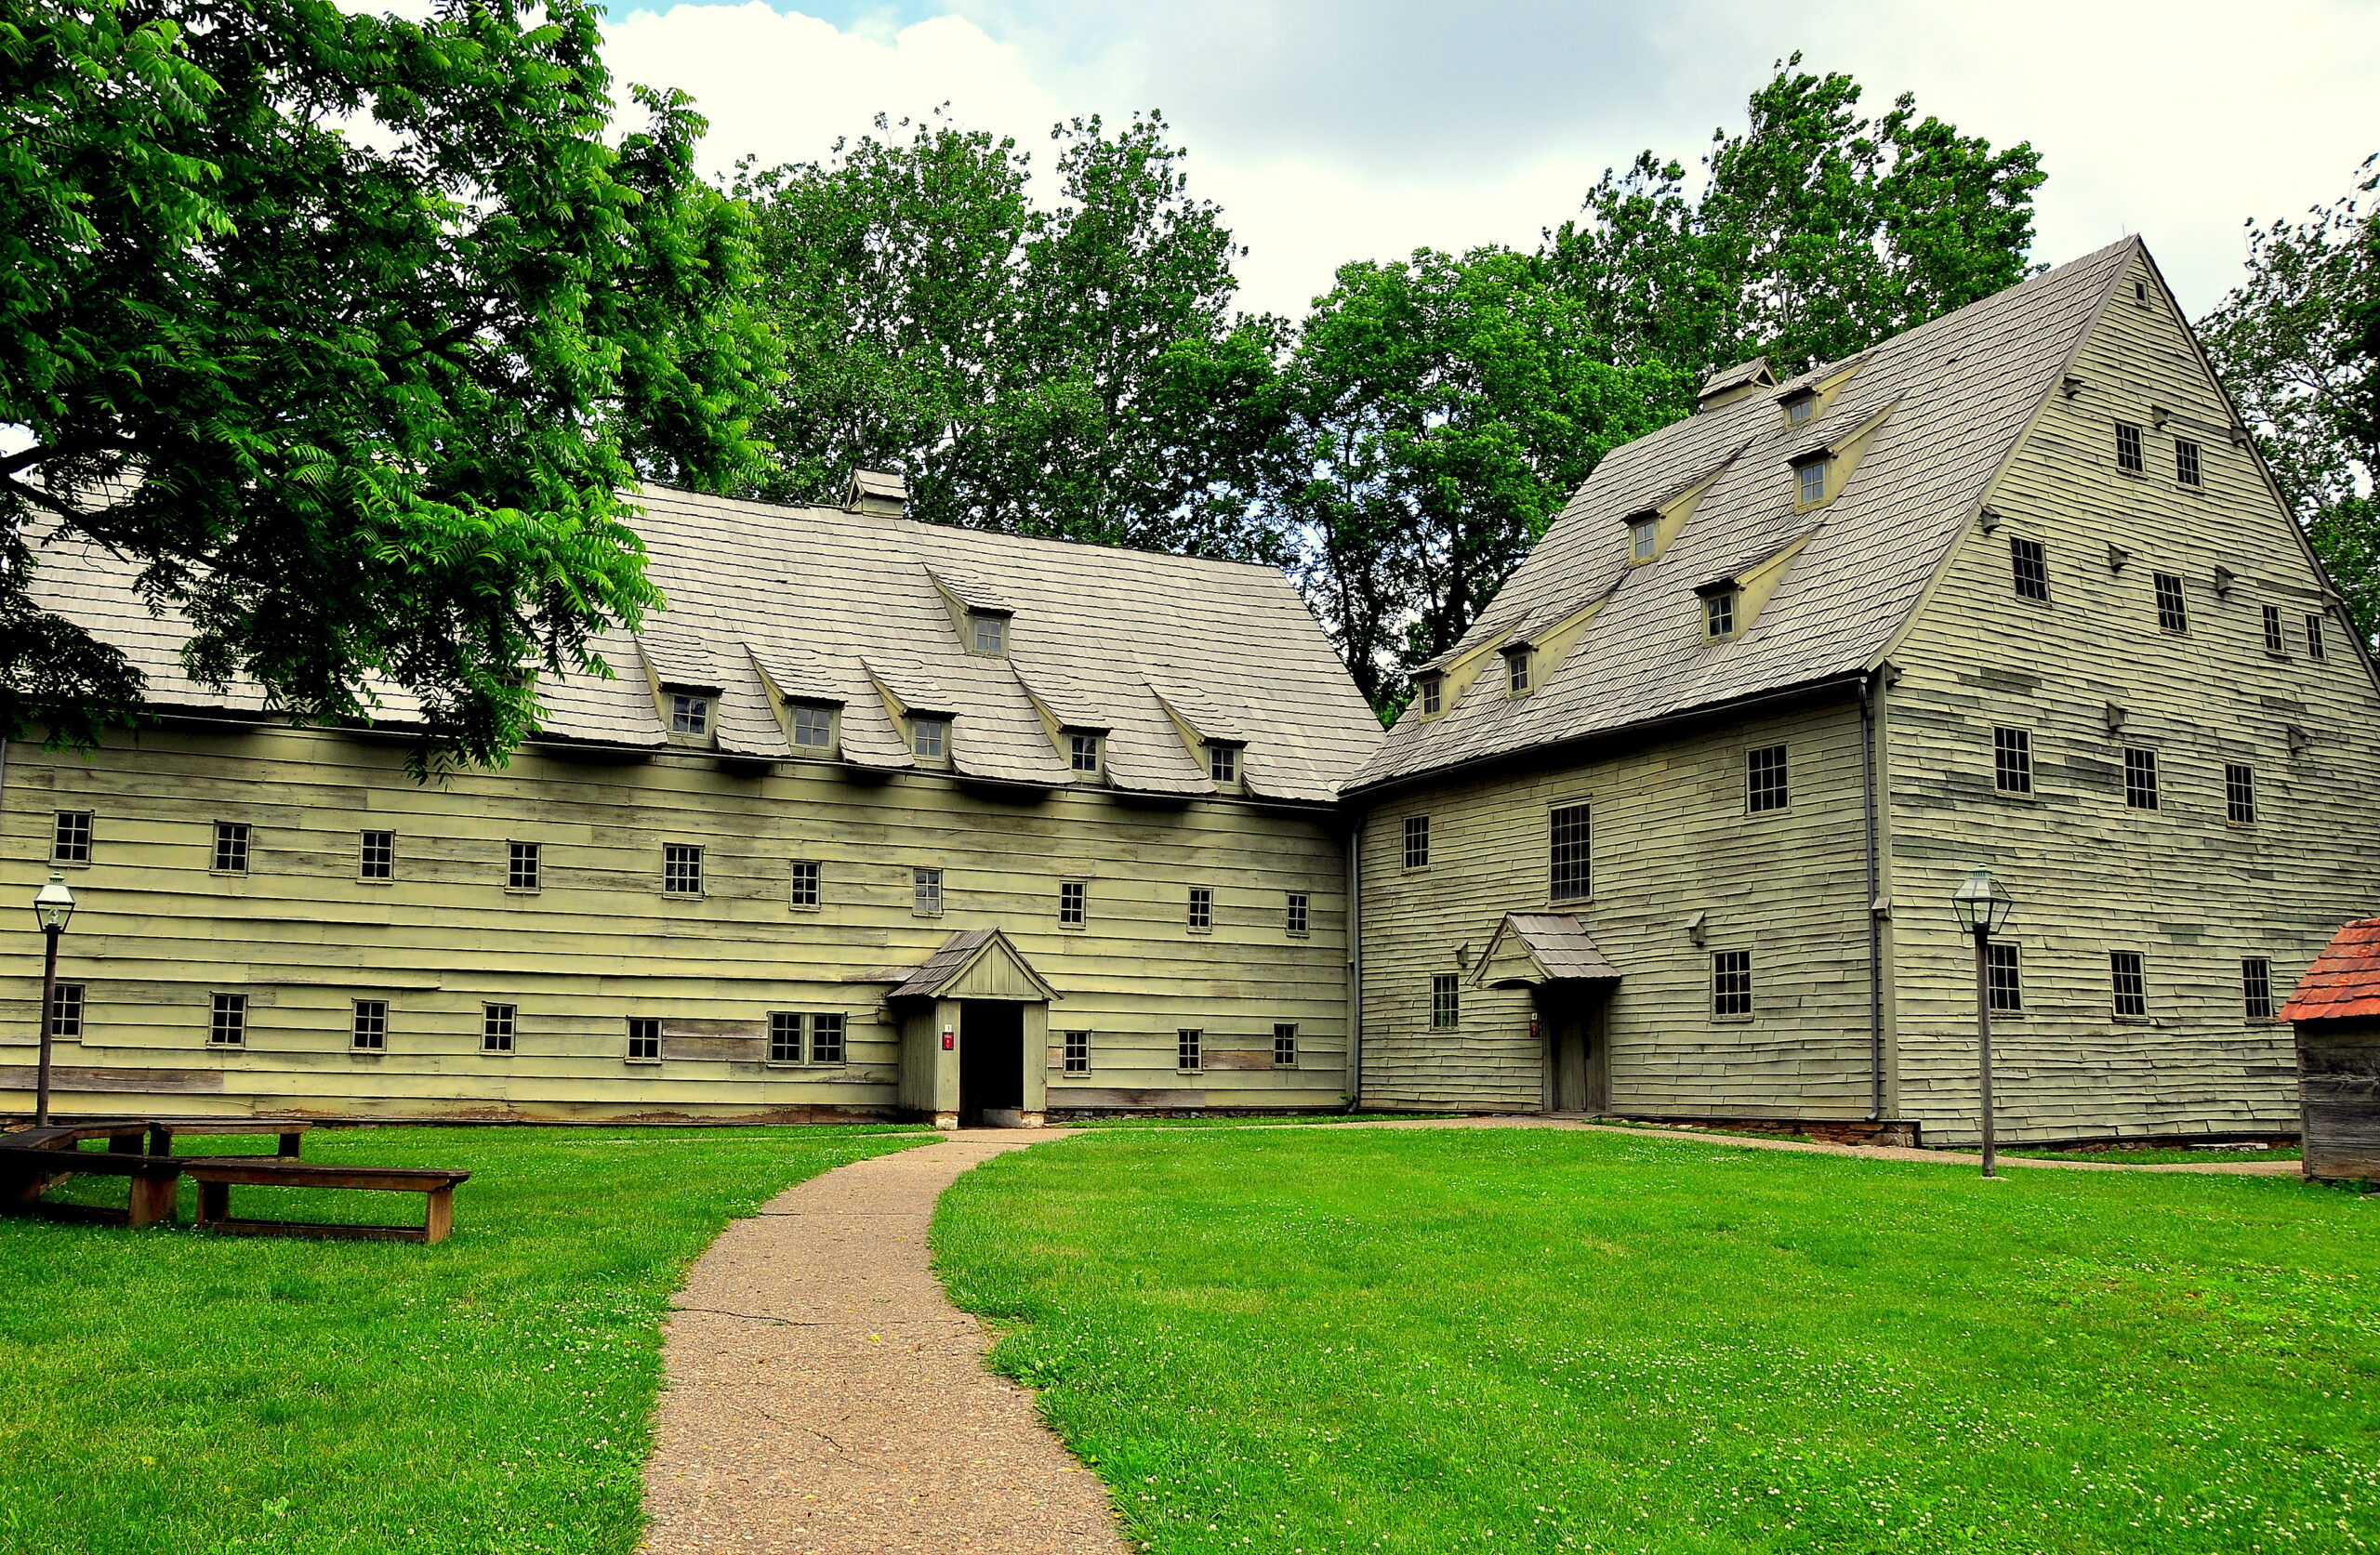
pixel 2336 1015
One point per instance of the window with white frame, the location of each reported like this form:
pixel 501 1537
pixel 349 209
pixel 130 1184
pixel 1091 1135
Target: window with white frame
pixel 814 726
pixel 376 857
pixel 69 836
pixel 66 1011
pixel 1074 903
pixel 689 713
pixel 1433 688
pixel 682 869
pixel 1764 780
pixel 369 1032
pixel 1731 983
pixel 1189 1048
pixel 2012 761
pixel 2003 980
pixel 524 867
pixel 930 737
pixel 497 1024
pixel 645 1039
pixel 227 1024
pixel 1084 751
pixel 2129 981
pixel 1223 763
pixel 231 847
pixel 1644 537
pixel 1516 671
pixel 2140 779
pixel 826 1037
pixel 1202 907
pixel 785 1036
pixel 925 886
pixel 803 891
pixel 1285 1045
pixel 989 632
pixel 1809 477
pixel 1417 841
pixel 1298 913
pixel 2186 463
pixel 1075 1052
pixel 1719 613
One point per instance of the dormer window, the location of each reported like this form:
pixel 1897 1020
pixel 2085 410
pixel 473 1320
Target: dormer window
pixel 1432 691
pixel 1644 538
pixel 1085 753
pixel 689 713
pixel 930 737
pixel 1719 609
pixel 1799 406
pixel 1809 477
pixel 1516 671
pixel 1223 763
pixel 814 726
pixel 986 633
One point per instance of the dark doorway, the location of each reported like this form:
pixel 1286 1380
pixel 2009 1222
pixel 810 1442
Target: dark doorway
pixel 1577 1071
pixel 991 1060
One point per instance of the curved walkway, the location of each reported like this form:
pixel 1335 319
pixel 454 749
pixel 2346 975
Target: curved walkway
pixel 824 1398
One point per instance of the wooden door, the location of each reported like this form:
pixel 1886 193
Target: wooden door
pixel 1577 1072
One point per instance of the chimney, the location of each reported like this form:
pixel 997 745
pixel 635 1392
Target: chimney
pixel 872 490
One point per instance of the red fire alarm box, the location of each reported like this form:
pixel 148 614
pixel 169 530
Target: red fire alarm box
pixel 1532 1028
pixel 949 1041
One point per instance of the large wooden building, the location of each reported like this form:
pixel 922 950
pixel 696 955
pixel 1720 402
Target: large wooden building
pixel 883 817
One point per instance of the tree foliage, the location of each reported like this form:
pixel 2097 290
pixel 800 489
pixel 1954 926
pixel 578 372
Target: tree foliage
pixel 2299 345
pixel 1073 369
pixel 349 332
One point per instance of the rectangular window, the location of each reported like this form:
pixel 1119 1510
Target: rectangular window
pixel 1731 982
pixel 803 891
pixel 2128 449
pixel 2255 988
pixel 521 866
pixel 228 1027
pixel 826 1039
pixel 2172 613
pixel 2186 463
pixel 1189 1048
pixel 1074 903
pixel 1086 753
pixel 785 1036
pixel 991 634
pixel 377 859
pixel 1298 919
pixel 682 869
pixel 231 847
pixel 814 727
pixel 645 1039
pixel 2240 795
pixel 689 715
pixel 1223 763
pixel 1417 841
pixel 1285 1046
pixel 2275 643
pixel 1644 539
pixel 370 1031
pixel 925 899
pixel 1812 490
pixel 2012 761
pixel 70 838
pixel 2028 565
pixel 930 737
pixel 2131 985
pixel 1202 907
pixel 2315 647
pixel 1516 668
pixel 1719 613
pixel 1446 1001
pixel 1433 696
pixel 1075 1054
pixel 2140 779
pixel 498 1022
pixel 2003 980
pixel 1569 829
pixel 66 1011
pixel 1764 784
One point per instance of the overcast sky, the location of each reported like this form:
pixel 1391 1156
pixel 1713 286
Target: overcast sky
pixel 1344 129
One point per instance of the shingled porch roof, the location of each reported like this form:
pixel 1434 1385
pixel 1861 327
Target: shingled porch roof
pixel 2343 982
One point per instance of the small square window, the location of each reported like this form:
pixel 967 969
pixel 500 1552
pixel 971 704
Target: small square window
pixel 990 633
pixel 1800 408
pixel 2240 795
pixel 1417 841
pixel 1285 1046
pixel 682 869
pixel 228 1026
pixel 70 838
pixel 1446 1001
pixel 1516 672
pixel 814 727
pixel 785 1036
pixel 925 887
pixel 645 1039
pixel 1085 752
pixel 930 737
pixel 2275 640
pixel 1568 849
pixel 377 859
pixel 1223 763
pixel 2315 647
pixel 2140 779
pixel 2186 463
pixel 2128 452
pixel 66 1011
pixel 1076 1053
pixel 1298 916
pixel 2028 565
pixel 804 891
pixel 370 1031
pixel 231 847
pixel 826 1039
pixel 2130 982
pixel 1731 983
pixel 497 1024
pixel 2012 761
pixel 2003 981
pixel 1810 488
pixel 689 715
pixel 2173 611
pixel 1074 903
pixel 524 867
pixel 1433 696
pixel 1189 1049
pixel 1719 613
pixel 1202 907
pixel 2255 988
pixel 1764 780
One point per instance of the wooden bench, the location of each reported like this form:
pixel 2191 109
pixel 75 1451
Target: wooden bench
pixel 216 1176
pixel 32 1161
pixel 163 1135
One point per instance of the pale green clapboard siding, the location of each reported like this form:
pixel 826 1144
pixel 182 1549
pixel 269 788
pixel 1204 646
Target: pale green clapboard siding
pixel 158 932
pixel 1671 839
pixel 2194 894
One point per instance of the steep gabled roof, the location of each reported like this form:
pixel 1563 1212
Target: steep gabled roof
pixel 1960 392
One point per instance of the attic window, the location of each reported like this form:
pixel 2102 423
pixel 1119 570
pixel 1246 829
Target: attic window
pixel 2140 291
pixel 1516 670
pixel 930 737
pixel 1085 753
pixel 1433 696
pixel 1223 763
pixel 1644 537
pixel 1718 609
pixel 1809 476
pixel 1799 406
pixel 814 726
pixel 689 713
pixel 986 633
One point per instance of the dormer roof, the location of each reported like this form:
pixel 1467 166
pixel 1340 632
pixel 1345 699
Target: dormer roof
pixel 874 491
pixel 1732 383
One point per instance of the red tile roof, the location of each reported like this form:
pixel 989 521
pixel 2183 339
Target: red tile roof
pixel 2343 982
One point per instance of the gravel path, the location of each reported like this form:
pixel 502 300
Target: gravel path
pixel 824 1398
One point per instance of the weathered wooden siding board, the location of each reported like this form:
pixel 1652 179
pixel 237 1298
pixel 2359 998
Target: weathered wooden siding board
pixel 1671 839
pixel 2190 891
pixel 303 936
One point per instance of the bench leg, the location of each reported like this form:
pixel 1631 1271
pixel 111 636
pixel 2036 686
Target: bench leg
pixel 160 1139
pixel 213 1203
pixel 152 1200
pixel 289 1143
pixel 438 1219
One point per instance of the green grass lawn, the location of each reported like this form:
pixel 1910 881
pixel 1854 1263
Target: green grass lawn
pixel 173 1392
pixel 1349 1341
pixel 2153 1157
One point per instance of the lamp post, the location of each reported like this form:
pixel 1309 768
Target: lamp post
pixel 53 904
pixel 1982 904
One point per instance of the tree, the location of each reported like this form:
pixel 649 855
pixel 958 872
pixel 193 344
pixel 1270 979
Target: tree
pixel 1075 370
pixel 348 333
pixel 1816 232
pixel 2298 344
pixel 1444 409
